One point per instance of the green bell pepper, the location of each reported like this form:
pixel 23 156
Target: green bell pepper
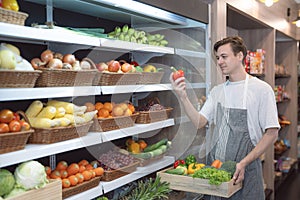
pixel 190 159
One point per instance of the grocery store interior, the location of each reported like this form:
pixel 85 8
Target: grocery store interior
pixel 87 110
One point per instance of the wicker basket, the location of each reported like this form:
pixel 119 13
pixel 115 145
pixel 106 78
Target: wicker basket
pixel 117 173
pixel 12 17
pixel 15 140
pixel 151 77
pixel 84 186
pixel 109 124
pixel 114 78
pixel 52 135
pixel 146 117
pixel 18 79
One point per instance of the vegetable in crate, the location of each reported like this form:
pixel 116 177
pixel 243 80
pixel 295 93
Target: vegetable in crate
pixel 194 166
pixel 215 176
pixel 229 166
pixel 179 162
pixel 190 159
pixel 7 182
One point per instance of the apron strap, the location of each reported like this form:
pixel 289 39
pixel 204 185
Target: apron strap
pixel 245 92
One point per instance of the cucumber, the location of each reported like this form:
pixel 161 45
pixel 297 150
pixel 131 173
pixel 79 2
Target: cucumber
pixel 156 145
pixel 177 171
pixel 156 152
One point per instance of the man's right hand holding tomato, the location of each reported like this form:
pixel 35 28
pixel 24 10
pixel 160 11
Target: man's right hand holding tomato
pixel 179 85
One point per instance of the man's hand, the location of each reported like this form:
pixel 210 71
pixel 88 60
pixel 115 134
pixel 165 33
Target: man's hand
pixel 239 174
pixel 179 86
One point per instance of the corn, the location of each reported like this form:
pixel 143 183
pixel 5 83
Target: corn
pixel 60 112
pixel 34 109
pixel 47 112
pixel 88 116
pixel 42 122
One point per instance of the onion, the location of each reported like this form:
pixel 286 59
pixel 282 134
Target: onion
pixel 47 55
pixel 58 55
pixel 69 58
pixel 36 63
pixel 55 63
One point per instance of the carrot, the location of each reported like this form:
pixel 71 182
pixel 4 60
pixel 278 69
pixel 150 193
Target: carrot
pixel 216 163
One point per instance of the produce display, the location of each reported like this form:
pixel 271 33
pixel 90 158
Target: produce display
pixel 54 60
pixel 132 35
pixel 10 5
pixel 12 122
pixel 72 174
pixel 27 176
pixel 57 114
pixel 11 59
pixel 216 173
pixel 152 105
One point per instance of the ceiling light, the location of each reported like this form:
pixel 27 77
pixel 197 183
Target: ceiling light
pixel 297 21
pixel 268 3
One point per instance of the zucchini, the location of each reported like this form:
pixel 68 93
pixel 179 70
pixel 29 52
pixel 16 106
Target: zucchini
pixel 156 152
pixel 156 145
pixel 177 171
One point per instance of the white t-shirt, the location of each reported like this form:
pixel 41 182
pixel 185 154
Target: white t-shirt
pixel 260 103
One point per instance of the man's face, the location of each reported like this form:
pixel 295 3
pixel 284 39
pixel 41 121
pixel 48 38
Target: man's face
pixel 227 61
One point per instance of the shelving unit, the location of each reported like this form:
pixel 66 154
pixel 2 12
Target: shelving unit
pixel 64 41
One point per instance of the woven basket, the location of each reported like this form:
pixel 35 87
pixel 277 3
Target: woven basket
pixel 84 186
pixel 109 124
pixel 114 78
pixel 117 173
pixel 151 77
pixel 18 79
pixel 15 140
pixel 12 17
pixel 146 117
pixel 52 135
pixel 67 77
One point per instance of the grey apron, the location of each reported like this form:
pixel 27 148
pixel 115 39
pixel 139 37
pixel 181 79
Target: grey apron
pixel 231 141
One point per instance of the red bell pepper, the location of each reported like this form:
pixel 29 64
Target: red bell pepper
pixel 179 163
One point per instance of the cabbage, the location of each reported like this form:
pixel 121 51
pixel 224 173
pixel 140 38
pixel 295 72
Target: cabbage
pixel 30 175
pixel 7 181
pixel 16 191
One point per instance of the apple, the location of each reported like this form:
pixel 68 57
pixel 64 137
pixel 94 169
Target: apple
pixel 102 66
pixel 149 68
pixel 7 59
pixel 126 67
pixel 113 66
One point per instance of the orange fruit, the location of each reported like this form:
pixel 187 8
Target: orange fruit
pixel 65 183
pixel 99 171
pixel 73 169
pixel 63 173
pixel 90 107
pixel 117 111
pixel 73 180
pixel 87 175
pixel 93 173
pixel 103 112
pixel 83 162
pixel 98 105
pixel 108 106
pixel 55 174
pixel 61 165
pixel 124 106
pixel 48 170
pixel 89 167
pixel 79 177
pixel 82 168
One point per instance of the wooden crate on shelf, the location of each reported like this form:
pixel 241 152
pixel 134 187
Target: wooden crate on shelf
pixel 197 185
pixel 52 191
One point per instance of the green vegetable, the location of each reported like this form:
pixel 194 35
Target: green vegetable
pixel 177 171
pixel 31 174
pixel 7 182
pixel 156 145
pixel 125 28
pixel 102 198
pixel 190 159
pixel 229 166
pixel 215 176
pixel 16 191
pixel 150 154
pixel 139 69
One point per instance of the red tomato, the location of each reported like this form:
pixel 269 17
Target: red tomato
pixel 178 74
pixel 25 126
pixel 14 126
pixel 4 128
pixel 6 115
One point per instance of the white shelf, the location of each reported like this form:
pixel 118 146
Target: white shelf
pixel 39 34
pixel 139 173
pixel 134 88
pixel 9 94
pixel 189 53
pixel 137 128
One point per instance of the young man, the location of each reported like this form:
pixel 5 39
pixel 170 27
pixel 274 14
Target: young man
pixel 243 115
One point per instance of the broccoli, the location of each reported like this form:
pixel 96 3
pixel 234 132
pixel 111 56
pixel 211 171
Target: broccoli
pixel 229 166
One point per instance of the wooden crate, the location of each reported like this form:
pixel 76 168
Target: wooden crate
pixel 197 185
pixel 52 191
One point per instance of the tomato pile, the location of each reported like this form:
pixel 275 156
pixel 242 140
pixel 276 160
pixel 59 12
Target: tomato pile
pixel 11 122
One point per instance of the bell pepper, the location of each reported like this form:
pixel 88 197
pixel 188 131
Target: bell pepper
pixel 10 5
pixel 190 159
pixel 179 162
pixel 194 166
